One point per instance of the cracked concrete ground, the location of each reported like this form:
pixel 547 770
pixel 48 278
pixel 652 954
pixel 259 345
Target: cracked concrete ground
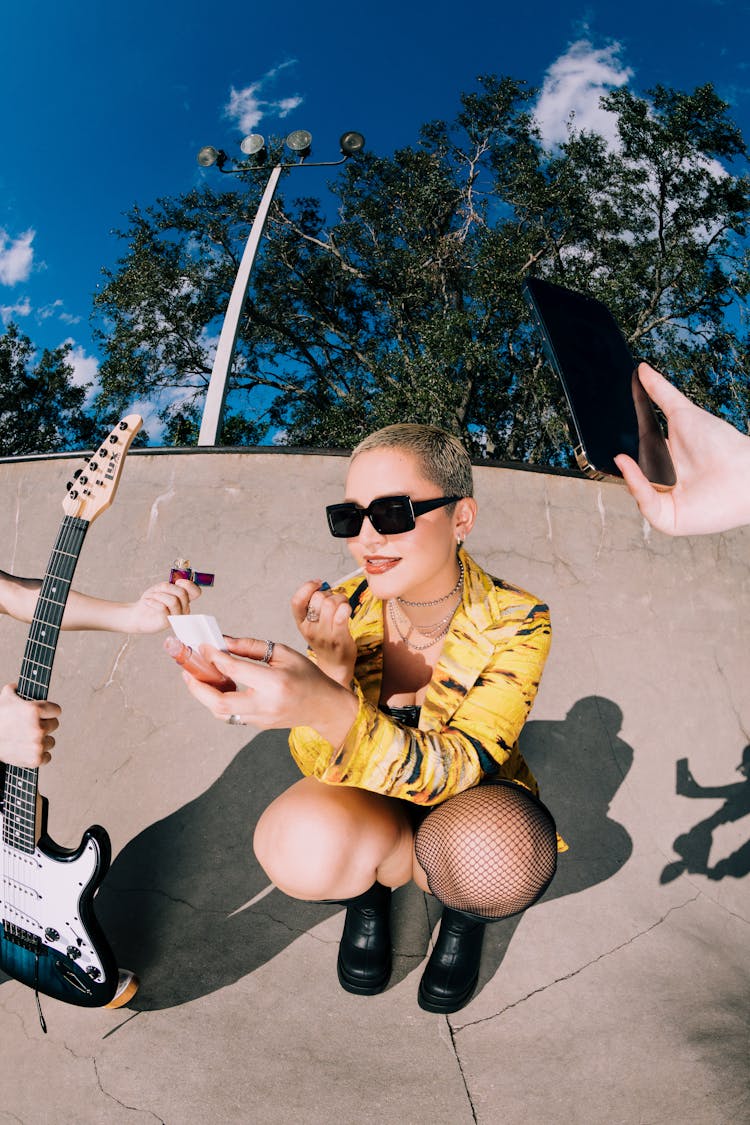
pixel 622 997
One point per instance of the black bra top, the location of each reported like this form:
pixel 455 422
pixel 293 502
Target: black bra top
pixel 409 716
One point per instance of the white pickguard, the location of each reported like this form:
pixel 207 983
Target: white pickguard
pixel 42 895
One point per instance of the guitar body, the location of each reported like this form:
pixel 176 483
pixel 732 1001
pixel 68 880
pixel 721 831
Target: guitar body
pixel 50 939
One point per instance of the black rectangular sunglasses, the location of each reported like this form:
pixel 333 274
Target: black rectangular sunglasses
pixel 389 515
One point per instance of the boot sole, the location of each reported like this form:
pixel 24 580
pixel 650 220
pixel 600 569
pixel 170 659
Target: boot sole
pixel 360 987
pixel 443 1006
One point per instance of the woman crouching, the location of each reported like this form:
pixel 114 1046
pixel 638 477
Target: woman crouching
pixel 405 718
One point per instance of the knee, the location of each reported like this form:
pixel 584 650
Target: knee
pixel 295 843
pixel 490 851
pixel 303 841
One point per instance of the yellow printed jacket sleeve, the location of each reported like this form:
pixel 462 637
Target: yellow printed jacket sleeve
pixel 476 703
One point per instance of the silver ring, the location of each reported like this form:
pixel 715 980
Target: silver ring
pixel 312 615
pixel 236 721
pixel 268 653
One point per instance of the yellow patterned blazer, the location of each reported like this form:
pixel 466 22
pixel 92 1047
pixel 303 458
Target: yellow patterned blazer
pixel 476 703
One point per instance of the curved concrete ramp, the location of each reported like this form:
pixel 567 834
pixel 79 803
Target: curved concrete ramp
pixel 621 998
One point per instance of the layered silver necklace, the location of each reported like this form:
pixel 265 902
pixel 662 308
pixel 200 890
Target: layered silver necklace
pixel 432 633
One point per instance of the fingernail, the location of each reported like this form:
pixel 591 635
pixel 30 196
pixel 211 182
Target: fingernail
pixel 325 585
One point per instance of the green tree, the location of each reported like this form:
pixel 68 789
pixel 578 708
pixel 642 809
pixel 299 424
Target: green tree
pixel 41 410
pixel 399 295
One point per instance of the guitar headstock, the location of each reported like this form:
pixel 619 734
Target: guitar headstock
pixel 93 488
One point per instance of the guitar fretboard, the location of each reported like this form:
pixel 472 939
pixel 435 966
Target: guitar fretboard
pixel 20 785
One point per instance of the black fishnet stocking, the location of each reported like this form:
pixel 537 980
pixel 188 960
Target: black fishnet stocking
pixel 489 851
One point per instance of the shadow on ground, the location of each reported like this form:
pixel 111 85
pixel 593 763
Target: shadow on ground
pixel 694 847
pixel 174 904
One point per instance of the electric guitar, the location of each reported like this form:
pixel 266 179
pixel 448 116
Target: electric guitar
pixel 50 939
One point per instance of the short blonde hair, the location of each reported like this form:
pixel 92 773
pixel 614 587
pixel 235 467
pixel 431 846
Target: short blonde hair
pixel 442 457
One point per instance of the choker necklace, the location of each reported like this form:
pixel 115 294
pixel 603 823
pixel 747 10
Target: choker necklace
pixel 438 601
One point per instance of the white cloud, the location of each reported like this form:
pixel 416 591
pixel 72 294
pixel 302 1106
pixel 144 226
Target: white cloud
pixel 247 107
pixel 286 105
pixel 10 312
pixel 16 257
pixel 85 370
pixel 56 309
pixel 151 420
pixel 572 87
pixel 50 310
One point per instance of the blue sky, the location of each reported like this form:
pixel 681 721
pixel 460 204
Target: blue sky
pixel 107 105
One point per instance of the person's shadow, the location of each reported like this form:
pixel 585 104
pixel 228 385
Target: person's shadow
pixel 694 847
pixel 177 904
pixel 580 763
pixel 187 906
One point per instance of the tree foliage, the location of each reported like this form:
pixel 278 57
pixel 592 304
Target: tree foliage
pixel 399 295
pixel 41 409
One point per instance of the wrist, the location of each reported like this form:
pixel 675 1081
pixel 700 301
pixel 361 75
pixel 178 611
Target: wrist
pixel 341 671
pixel 339 707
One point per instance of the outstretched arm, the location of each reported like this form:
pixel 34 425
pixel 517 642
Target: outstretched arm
pixel 18 597
pixel 712 461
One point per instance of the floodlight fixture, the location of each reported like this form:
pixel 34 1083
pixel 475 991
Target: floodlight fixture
pixel 300 141
pixel 208 156
pixel 351 144
pixel 253 145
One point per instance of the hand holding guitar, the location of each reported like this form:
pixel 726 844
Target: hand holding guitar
pixel 26 728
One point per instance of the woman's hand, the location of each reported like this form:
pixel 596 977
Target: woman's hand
pixel 26 727
pixel 322 618
pixel 712 461
pixel 151 612
pixel 289 691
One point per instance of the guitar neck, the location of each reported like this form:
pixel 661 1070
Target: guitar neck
pixel 36 668
pixel 20 828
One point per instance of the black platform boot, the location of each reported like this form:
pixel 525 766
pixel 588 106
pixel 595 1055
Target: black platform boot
pixel 452 971
pixel 364 964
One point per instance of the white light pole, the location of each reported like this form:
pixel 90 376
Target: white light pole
pixel 299 142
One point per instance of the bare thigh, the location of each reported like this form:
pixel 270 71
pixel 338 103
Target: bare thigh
pixel 319 841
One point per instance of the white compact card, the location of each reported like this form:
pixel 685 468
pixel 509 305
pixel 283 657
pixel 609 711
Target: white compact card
pixel 196 629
